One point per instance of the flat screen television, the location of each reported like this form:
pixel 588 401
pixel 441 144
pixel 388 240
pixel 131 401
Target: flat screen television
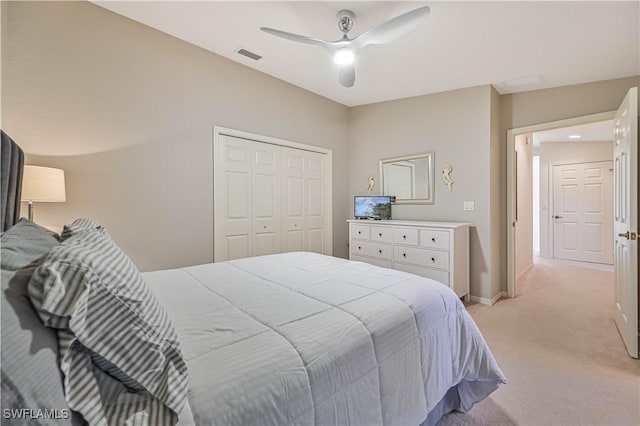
pixel 376 207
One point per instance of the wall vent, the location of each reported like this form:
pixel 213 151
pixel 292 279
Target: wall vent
pixel 248 54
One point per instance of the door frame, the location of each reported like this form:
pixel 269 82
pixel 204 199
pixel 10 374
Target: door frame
pixel 550 202
pixel 511 181
pixel 328 202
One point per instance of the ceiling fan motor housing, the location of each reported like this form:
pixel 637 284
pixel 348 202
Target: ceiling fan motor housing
pixel 346 18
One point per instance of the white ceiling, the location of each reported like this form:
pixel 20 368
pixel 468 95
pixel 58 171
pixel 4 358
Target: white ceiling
pixel 460 44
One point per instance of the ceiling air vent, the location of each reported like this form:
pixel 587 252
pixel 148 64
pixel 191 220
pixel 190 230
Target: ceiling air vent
pixel 248 54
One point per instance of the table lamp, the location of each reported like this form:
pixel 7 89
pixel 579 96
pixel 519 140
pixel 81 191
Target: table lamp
pixel 42 185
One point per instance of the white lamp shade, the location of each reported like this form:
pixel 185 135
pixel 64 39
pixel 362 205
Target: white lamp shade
pixel 43 184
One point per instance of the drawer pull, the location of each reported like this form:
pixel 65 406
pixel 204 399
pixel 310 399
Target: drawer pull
pixel 433 239
pixel 380 251
pixel 359 232
pixel 433 259
pixel 380 234
pixel 404 236
pixel 404 254
pixel 265 226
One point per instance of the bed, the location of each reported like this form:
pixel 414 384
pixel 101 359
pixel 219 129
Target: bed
pixel 287 339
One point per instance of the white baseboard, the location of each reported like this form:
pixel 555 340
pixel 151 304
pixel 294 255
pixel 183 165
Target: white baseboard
pixel 485 301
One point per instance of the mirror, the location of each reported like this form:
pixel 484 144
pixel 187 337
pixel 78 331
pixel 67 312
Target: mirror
pixel 409 178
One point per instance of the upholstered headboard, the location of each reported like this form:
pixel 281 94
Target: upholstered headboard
pixel 12 164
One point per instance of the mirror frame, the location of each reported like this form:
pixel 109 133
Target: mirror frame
pixel 430 173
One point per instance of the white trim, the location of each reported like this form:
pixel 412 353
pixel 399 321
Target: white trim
pixel 489 302
pixel 511 172
pixel 219 130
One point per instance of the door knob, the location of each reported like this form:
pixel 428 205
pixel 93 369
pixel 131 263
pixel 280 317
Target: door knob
pixel 557 217
pixel 629 235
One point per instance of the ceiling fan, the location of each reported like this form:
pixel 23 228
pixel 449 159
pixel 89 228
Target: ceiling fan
pixel 346 49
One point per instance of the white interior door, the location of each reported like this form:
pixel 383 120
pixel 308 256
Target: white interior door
pixel 294 200
pixel 315 211
pixel 270 196
pixel 583 216
pixel 626 220
pixel 233 224
pixel 267 184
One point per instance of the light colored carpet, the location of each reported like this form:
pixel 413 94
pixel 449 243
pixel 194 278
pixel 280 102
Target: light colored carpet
pixel 559 348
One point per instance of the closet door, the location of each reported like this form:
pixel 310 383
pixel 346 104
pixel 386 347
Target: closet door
pixel 267 195
pixel 232 206
pixel 315 184
pixel 294 220
pixel 304 203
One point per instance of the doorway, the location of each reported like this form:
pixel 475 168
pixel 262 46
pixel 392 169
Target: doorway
pixel 549 144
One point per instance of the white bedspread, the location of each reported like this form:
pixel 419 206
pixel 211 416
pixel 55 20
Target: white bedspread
pixel 301 338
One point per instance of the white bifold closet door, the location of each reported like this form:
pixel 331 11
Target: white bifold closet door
pixel 303 203
pixel 268 199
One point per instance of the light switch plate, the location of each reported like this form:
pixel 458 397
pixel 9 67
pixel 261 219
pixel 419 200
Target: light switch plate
pixel 469 206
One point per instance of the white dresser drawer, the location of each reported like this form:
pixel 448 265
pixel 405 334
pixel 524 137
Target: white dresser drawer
pixel 378 233
pixel 434 274
pixel 432 238
pixel 360 232
pixel 405 236
pixel 378 262
pixel 421 257
pixel 377 250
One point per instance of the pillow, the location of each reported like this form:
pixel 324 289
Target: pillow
pixel 120 353
pixel 77 226
pixel 31 378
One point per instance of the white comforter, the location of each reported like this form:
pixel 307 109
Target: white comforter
pixel 301 338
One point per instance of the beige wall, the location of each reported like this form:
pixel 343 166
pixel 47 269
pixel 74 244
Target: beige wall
pixel 456 126
pixel 130 112
pixel 563 153
pixel 524 225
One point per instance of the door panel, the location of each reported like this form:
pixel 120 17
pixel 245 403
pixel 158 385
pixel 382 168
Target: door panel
pixel 583 212
pixel 315 202
pixel 237 207
pixel 237 246
pixel 625 154
pixel 316 240
pixel 294 240
pixel 293 207
pixel 267 183
pixel 232 227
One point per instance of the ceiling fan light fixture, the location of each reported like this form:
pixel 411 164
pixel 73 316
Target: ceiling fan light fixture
pixel 344 57
pixel 345 49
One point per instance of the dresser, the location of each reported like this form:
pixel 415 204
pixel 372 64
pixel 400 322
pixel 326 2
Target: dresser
pixel 436 250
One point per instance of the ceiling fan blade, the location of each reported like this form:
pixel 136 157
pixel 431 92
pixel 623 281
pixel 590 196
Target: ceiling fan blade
pixel 393 29
pixel 296 37
pixel 347 75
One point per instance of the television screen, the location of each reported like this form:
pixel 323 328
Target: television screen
pixel 372 206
